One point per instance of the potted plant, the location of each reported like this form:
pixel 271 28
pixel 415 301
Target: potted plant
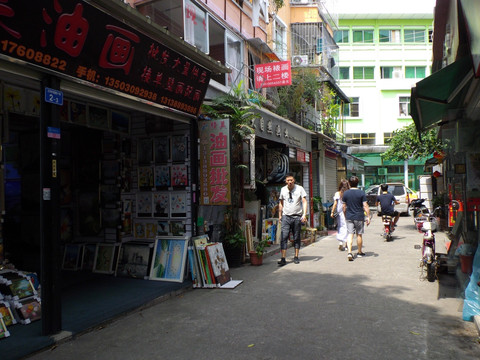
pixel 256 257
pixel 234 242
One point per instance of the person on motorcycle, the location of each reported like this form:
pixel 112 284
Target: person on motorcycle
pixel 387 203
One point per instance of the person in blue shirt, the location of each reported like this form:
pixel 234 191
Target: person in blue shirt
pixel 356 206
pixel 387 203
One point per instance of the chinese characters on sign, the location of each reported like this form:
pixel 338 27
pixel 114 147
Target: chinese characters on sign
pixel 78 40
pixel 273 74
pixel 214 162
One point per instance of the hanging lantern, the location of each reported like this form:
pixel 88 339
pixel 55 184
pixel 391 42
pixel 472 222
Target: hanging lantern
pixel 439 155
pixel 437 174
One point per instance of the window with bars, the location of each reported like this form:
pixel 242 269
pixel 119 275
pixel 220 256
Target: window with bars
pixel 388 36
pixel 387 137
pixel 363 36
pixel 352 109
pixel 415 72
pixel 361 138
pixel 404 105
pixel 341 36
pixel 414 35
pixel 363 72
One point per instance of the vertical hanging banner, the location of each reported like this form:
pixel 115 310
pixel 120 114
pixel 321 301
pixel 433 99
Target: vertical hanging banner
pixel 215 182
pixel 77 40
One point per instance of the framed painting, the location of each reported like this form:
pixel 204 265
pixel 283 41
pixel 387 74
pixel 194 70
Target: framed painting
pixel 162 177
pixel 150 230
pixel 32 103
pixel 14 99
pixel 104 258
pixel 145 151
pixel 162 149
pixel 120 122
pixel 71 256
pixel 163 228
pixel 134 260
pixel 78 113
pixel 145 177
pixel 22 288
pixel 7 314
pixel 139 231
pixel 144 204
pixel 88 256
pixel 177 228
pixel 179 148
pixel 29 309
pixel 219 263
pixel 169 259
pixel 179 175
pixel 178 204
pixel 126 224
pixel 161 205
pixel 3 328
pixel 97 117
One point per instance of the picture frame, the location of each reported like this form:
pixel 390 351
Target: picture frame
pixel 178 204
pixel 97 117
pixel 14 99
pixel 144 204
pixel 6 313
pixel 104 258
pixel 179 148
pixel 162 177
pixel 177 228
pixel 139 230
pixel 88 256
pixel 78 113
pixel 120 122
pixel 219 263
pixel 134 260
pixel 162 149
pixel 161 205
pixel 3 328
pixel 163 228
pixel 179 175
pixel 33 102
pixel 71 257
pixel 145 178
pixel 29 309
pixel 169 259
pixel 150 230
pixel 21 288
pixel 145 151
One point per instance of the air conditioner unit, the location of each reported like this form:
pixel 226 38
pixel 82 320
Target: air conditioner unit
pixel 300 60
pixel 397 74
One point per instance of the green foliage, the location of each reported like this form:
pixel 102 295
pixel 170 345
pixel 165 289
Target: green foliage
pixel 260 247
pixel 317 204
pixel 330 109
pixel 236 238
pixel 406 144
pixel 278 3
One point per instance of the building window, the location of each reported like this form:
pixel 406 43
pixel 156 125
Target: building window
pixel 387 137
pixel 389 36
pixel 415 36
pixel 404 105
pixel 344 72
pixel 363 72
pixel 430 36
pixel 280 39
pixel 196 26
pixel 363 36
pixel 361 138
pixel 341 36
pixel 414 72
pixel 234 59
pixel 352 109
pixel 390 72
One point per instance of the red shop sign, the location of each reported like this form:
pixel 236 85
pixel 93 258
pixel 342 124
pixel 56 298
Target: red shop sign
pixel 273 74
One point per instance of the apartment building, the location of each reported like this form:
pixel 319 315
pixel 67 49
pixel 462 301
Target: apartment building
pixel 384 49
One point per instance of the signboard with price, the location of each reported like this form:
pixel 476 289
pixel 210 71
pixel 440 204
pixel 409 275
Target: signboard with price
pixel 75 39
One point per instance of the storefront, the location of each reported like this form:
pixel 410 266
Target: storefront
pixel 97 133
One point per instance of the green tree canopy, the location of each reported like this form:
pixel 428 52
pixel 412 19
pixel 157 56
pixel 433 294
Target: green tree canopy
pixel 407 144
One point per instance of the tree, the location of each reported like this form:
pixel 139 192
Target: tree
pixel 407 144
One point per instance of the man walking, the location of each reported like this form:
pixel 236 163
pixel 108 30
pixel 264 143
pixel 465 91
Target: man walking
pixel 292 212
pixel 355 204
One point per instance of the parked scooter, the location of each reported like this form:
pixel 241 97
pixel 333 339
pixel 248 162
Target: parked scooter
pixel 420 213
pixel 429 258
pixel 388 227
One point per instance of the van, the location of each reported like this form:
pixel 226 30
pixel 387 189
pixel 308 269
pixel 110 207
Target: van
pixel 401 194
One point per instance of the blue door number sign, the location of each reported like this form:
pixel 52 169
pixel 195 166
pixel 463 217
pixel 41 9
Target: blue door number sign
pixel 53 96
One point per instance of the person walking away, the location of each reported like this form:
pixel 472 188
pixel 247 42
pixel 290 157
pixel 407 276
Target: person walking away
pixel 292 212
pixel 355 202
pixel 339 208
pixel 387 204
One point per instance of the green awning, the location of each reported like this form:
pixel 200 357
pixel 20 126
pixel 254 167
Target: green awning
pixel 444 90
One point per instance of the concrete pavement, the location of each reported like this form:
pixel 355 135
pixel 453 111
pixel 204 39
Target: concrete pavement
pixel 376 307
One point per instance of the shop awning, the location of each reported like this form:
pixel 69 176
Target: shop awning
pixel 442 91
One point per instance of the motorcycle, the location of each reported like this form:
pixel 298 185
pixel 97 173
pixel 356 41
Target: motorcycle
pixel 420 213
pixel 387 227
pixel 429 258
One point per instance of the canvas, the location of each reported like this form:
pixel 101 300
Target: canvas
pixel 88 256
pixel 161 204
pixel 162 149
pixel 177 228
pixel 22 287
pixel 7 314
pixel 29 309
pixel 145 177
pixel 162 176
pixel 71 256
pixel 150 230
pixel 140 230
pixel 104 258
pixel 169 259
pixel 163 228
pixel 179 175
pixel 144 204
pixel 3 329
pixel 219 263
pixel 179 148
pixel 134 260
pixel 178 204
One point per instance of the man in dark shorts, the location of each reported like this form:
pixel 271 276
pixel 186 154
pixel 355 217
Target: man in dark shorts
pixel 387 203
pixel 355 205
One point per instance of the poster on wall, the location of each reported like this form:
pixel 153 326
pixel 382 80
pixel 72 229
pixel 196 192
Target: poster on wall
pixel 215 162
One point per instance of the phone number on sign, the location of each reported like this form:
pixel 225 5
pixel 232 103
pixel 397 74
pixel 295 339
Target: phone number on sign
pixel 22 52
pixel 130 89
pixel 178 105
